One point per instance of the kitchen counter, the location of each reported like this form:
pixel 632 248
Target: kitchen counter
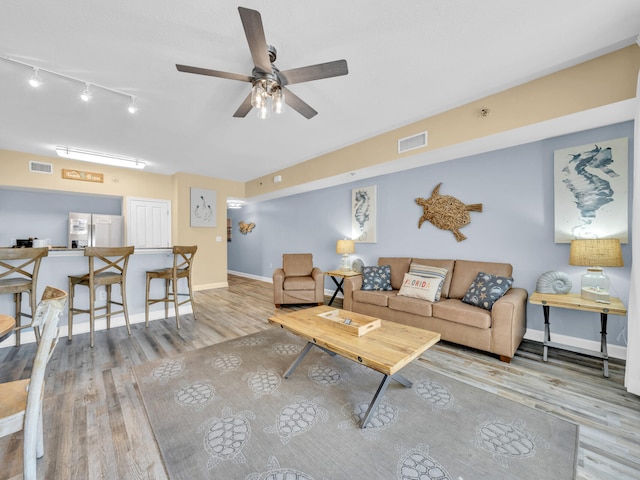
pixel 62 262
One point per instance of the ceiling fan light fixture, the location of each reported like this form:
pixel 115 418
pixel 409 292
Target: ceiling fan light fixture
pixel 86 95
pixel 278 101
pixel 35 81
pixel 258 94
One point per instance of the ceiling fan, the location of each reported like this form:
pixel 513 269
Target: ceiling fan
pixel 268 84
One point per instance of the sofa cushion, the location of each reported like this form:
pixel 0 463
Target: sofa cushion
pixel 486 289
pixel 436 262
pixel 411 305
pixel 416 286
pixel 378 298
pixel 465 272
pixel 299 283
pixel 429 271
pixel 376 278
pixel 454 310
pixel 399 266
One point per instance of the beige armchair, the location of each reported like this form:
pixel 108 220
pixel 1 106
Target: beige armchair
pixel 298 281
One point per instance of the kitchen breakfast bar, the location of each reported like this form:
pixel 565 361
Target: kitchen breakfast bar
pixel 62 262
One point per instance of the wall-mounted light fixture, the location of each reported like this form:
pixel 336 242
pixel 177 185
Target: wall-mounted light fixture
pixel 36 81
pixel 98 157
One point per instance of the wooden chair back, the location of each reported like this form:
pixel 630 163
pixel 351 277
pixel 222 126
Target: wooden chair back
pixel 183 258
pixel 26 270
pixel 26 411
pixel 107 261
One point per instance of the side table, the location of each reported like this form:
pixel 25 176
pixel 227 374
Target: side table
pixel 574 301
pixel 341 274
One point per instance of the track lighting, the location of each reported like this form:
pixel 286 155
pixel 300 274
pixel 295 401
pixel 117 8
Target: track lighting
pixel 133 108
pixel 86 94
pixel 36 81
pixel 98 157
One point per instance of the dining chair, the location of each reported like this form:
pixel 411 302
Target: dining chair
pixel 107 267
pixel 19 274
pixel 21 400
pixel 182 264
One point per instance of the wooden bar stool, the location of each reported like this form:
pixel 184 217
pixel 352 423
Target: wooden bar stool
pixel 182 263
pixel 111 269
pixel 19 274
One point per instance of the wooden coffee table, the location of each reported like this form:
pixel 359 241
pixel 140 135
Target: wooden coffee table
pixel 386 349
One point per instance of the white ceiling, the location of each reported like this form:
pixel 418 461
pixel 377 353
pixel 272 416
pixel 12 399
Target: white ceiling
pixel 407 60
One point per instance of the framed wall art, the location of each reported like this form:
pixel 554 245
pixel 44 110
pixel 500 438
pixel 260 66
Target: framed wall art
pixel 363 214
pixel 591 191
pixel 203 207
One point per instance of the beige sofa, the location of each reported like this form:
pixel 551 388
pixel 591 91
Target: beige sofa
pixel 498 331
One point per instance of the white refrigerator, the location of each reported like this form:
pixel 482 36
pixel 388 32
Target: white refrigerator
pixel 95 230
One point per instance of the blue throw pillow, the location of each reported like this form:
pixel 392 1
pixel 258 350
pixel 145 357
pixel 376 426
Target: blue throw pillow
pixel 376 278
pixel 486 289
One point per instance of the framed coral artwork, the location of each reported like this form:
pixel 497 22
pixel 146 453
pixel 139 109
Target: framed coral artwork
pixel 591 189
pixel 363 214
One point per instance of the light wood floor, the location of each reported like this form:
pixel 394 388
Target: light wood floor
pixel 96 426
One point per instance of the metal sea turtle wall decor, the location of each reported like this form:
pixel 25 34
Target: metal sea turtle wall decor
pixel 446 212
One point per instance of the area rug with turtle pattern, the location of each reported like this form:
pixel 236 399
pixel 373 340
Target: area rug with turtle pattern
pixel 226 412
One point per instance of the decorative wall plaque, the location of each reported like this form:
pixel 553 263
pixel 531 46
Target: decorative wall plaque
pixel 83 176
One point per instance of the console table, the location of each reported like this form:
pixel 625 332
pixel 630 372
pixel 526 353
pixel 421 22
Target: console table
pixel 573 301
pixel 341 274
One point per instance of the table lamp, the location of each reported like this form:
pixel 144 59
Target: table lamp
pixel 345 247
pixel 595 254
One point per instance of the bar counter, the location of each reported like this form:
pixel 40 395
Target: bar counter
pixel 62 262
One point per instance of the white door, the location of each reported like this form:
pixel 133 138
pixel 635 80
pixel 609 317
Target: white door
pixel 149 222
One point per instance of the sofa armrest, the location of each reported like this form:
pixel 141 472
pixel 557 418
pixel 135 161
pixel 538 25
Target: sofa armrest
pixel 508 322
pixel 278 281
pixel 349 286
pixel 318 277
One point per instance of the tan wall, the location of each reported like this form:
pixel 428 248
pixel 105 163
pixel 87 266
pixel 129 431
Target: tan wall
pixel 605 80
pixel 210 266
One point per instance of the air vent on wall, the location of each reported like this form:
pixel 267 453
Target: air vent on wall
pixel 39 167
pixel 412 142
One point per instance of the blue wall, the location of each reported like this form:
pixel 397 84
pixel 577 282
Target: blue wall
pixel 515 186
pixel 38 214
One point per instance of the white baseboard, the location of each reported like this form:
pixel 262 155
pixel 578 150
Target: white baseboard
pixel 248 275
pixel 614 351
pixel 27 335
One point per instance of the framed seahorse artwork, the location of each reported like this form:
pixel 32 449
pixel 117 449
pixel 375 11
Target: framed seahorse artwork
pixel 591 191
pixel 363 214
pixel 203 207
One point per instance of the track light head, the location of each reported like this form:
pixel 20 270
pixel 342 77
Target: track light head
pixel 35 81
pixel 86 94
pixel 133 108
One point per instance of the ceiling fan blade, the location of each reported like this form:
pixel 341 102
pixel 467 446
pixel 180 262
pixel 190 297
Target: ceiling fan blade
pixel 314 72
pixel 244 108
pixel 214 73
pixel 298 104
pixel 252 23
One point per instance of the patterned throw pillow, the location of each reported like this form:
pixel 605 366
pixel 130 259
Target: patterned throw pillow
pixel 486 289
pixel 429 272
pixel 416 286
pixel 376 278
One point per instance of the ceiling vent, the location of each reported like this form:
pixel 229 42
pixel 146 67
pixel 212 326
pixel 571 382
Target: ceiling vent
pixel 412 142
pixel 40 167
